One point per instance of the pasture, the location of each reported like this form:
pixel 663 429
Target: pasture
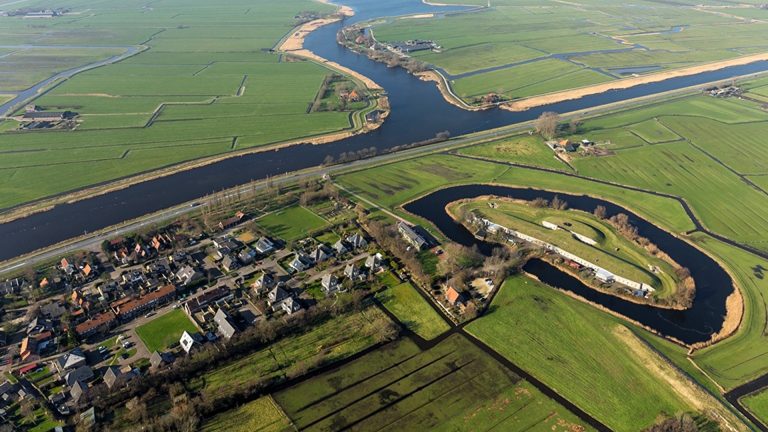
pixel 757 404
pixel 165 330
pixel 332 340
pixel 522 149
pixel 261 415
pixel 577 350
pixel 538 48
pixel 291 223
pixel 205 87
pixel 412 310
pixel 452 386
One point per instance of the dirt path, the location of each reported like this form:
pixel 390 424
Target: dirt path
pixel 527 103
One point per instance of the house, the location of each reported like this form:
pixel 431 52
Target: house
pixel 571 147
pixel 98 324
pixel 373 262
pixel 320 254
pixel 12 286
pixel 277 295
pixel 117 377
pixel 300 263
pixel 263 283
pixel 373 116
pixel 264 246
pixel 246 256
pixel 225 324
pixel 72 360
pixel 230 222
pixel 206 298
pixel 411 236
pixel 455 297
pixel 340 247
pixel 186 275
pixel 356 241
pixel 290 305
pixel 78 391
pixel 351 271
pixel 158 359
pixel 329 284
pixel 604 276
pixel 188 342
pixel 28 348
pixel 138 306
pixel 226 242
pixel 81 374
pixel 229 264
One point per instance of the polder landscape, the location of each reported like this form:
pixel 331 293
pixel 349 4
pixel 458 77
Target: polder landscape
pixel 516 215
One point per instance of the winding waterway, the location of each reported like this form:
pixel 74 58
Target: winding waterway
pixel 696 324
pixel 418 113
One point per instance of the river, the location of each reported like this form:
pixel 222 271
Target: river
pixel 696 324
pixel 418 113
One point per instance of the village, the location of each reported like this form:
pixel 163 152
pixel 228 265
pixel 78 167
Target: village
pixel 96 320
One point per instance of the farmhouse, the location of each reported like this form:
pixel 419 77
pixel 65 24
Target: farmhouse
pixel 411 236
pixel 454 296
pixel 48 116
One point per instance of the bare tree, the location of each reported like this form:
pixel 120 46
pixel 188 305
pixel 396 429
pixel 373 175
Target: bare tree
pixel 546 124
pixel 600 212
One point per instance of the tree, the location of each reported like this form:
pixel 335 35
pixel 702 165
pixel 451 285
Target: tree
pixel 546 124
pixel 600 212
pixel 558 204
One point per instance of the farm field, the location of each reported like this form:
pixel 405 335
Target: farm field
pixel 612 251
pixel 332 340
pixel 165 330
pixel 522 149
pixel 404 181
pixel 757 404
pixel 28 65
pixel 291 223
pixel 578 351
pixel 202 89
pixel 261 415
pixel 539 48
pixel 715 152
pixel 452 386
pixel 412 310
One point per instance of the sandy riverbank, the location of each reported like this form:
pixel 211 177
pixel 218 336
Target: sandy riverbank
pixel 294 45
pixel 438 79
pixel 546 99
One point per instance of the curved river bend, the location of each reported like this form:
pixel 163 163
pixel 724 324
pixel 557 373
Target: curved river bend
pixel 696 324
pixel 418 113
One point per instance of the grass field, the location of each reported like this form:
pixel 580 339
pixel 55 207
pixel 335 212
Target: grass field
pixel 412 310
pixel 757 404
pixel 520 49
pixel 291 223
pixel 335 339
pixel 165 330
pixel 403 181
pixel 453 386
pixel 576 350
pixel 522 149
pixel 613 251
pixel 261 415
pixel 203 82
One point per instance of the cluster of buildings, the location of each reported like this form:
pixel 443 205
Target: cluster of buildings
pixel 724 92
pixel 35 118
pixel 414 45
pixel 567 146
pixel 36 13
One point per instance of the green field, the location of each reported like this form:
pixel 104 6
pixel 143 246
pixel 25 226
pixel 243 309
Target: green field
pixel 413 311
pixel 613 251
pixel 523 149
pixel 206 86
pixel 261 415
pixel 291 223
pixel 576 350
pixel 453 386
pixel 757 404
pixel 332 340
pixel 165 330
pixel 519 49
